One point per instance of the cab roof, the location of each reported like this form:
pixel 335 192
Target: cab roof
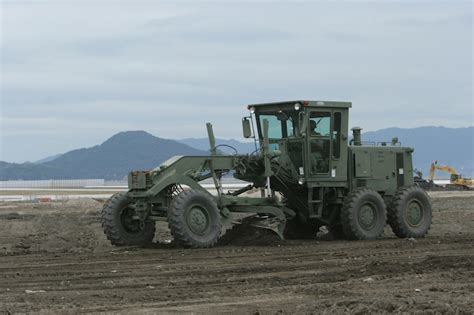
pixel 307 104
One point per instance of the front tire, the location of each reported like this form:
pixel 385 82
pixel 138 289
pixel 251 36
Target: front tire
pixel 363 215
pixel 120 228
pixel 410 212
pixel 194 219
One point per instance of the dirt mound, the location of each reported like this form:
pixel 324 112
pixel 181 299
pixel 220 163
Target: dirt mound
pixel 61 228
pixel 60 233
pixel 12 216
pixel 247 235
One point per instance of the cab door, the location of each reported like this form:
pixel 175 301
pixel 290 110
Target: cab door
pixel 326 145
pixel 319 143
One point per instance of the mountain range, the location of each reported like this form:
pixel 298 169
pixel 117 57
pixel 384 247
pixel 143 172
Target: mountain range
pixel 132 150
pixel 111 160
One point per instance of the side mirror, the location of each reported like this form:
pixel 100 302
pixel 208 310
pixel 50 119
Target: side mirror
pixel 302 123
pixel 247 128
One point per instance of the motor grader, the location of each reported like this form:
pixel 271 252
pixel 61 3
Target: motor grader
pixel 309 174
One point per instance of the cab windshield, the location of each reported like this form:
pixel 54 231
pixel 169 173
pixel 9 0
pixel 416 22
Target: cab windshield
pixel 279 125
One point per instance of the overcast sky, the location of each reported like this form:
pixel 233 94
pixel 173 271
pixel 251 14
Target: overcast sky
pixel 73 73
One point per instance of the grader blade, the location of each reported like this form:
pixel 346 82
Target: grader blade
pixel 274 224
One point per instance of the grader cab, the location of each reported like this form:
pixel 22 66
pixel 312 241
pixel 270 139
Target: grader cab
pixel 309 172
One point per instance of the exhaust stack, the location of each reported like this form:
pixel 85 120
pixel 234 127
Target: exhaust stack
pixel 356 136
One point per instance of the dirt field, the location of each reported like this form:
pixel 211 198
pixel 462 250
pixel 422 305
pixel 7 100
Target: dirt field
pixel 54 258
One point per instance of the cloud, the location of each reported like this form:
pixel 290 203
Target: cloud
pixel 74 72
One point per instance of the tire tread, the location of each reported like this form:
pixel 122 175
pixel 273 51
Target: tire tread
pixel 176 221
pixel 113 232
pixel 348 218
pixel 395 212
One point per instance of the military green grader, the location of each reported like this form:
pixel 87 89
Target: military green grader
pixel 309 174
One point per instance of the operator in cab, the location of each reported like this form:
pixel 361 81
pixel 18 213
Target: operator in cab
pixel 313 126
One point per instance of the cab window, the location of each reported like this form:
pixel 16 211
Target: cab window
pixel 320 123
pixel 320 132
pixel 277 128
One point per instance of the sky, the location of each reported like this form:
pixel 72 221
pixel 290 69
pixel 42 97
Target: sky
pixel 74 73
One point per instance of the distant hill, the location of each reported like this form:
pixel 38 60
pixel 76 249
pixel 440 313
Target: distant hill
pixel 48 159
pixel 111 160
pixel 28 171
pixel 133 150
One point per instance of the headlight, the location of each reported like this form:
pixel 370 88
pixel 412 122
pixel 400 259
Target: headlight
pixel 297 106
pixel 252 109
pixel 301 181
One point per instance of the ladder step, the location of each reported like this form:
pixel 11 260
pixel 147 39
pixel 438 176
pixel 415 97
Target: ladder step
pixel 315 201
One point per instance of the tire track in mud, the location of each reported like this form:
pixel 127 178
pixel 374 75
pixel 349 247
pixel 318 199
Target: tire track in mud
pixel 199 277
pixel 198 259
pixel 293 276
pixel 211 291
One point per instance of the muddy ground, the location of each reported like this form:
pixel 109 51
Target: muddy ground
pixel 55 259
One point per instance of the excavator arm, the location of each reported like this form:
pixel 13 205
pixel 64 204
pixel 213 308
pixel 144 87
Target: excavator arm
pixel 455 179
pixel 445 168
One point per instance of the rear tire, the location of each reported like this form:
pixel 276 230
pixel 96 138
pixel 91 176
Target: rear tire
pixel 118 226
pixel 363 215
pixel 410 212
pixel 194 219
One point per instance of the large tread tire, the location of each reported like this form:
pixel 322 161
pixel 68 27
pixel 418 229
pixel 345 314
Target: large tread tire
pixel 354 212
pixel 117 233
pixel 186 208
pixel 399 218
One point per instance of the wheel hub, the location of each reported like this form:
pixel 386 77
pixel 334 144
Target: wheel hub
pixel 198 220
pixel 414 213
pixel 367 216
pixel 128 223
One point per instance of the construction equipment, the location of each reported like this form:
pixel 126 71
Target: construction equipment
pixel 421 181
pixel 455 178
pixel 309 174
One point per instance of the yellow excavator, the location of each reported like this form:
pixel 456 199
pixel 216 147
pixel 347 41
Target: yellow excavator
pixel 455 179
